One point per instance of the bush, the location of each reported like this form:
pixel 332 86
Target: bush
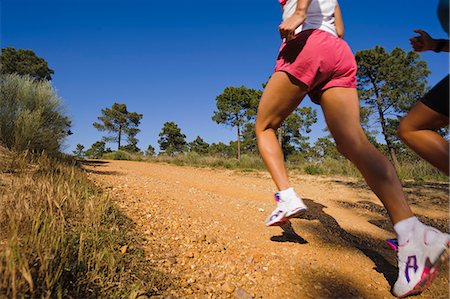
pixel 118 155
pixel 312 169
pixel 31 115
pixel 215 161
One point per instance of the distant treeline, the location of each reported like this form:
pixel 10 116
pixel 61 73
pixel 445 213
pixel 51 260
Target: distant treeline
pixel 32 118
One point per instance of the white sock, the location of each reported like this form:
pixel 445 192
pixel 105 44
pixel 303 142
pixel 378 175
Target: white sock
pixel 406 228
pixel 288 194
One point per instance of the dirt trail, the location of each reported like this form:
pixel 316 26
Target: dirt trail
pixel 205 228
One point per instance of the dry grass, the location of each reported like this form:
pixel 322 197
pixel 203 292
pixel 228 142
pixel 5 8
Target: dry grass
pixel 61 237
pixel 249 162
pixel 419 171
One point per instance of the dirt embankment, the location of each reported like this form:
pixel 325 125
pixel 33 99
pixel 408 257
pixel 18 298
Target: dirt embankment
pixel 205 228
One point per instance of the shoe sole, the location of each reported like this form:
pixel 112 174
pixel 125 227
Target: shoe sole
pixel 296 213
pixel 286 217
pixel 429 274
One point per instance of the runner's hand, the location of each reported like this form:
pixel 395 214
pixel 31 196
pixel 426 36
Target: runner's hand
pixel 423 42
pixel 288 27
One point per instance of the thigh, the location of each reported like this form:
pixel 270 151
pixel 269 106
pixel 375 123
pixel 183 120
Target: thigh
pixel 281 96
pixel 437 97
pixel 421 117
pixel 340 107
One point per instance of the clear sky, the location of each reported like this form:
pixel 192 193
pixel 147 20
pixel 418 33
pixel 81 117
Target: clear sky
pixel 170 59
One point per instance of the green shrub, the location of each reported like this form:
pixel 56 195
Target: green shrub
pixel 118 155
pixel 312 169
pixel 31 115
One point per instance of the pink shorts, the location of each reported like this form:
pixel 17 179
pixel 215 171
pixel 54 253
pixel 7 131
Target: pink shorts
pixel 318 59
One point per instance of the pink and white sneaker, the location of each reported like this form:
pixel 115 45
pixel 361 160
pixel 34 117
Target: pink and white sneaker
pixel 289 205
pixel 419 259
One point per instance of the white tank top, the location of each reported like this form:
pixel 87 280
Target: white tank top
pixel 320 15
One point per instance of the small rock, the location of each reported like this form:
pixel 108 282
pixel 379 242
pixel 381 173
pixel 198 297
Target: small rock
pixel 228 287
pixel 211 240
pixel 200 287
pixel 242 294
pixel 220 276
pixel 123 249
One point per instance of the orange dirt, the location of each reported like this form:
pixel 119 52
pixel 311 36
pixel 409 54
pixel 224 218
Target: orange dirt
pixel 205 229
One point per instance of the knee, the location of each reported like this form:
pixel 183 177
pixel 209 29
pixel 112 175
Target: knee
pixel 404 129
pixel 352 147
pixel 261 127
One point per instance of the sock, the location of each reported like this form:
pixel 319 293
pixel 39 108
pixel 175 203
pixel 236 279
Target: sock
pixel 406 228
pixel 288 194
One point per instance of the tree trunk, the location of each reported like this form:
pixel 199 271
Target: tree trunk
pixel 239 141
pixel 120 137
pixel 391 149
pixel 280 136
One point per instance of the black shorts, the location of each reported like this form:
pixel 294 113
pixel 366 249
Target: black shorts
pixel 438 97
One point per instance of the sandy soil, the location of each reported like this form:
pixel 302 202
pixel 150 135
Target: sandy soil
pixel 205 229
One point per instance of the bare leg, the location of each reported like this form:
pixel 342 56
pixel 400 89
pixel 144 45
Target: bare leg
pixel 341 109
pixel 416 131
pixel 281 96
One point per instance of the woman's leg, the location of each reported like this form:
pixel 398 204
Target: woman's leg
pixel 341 109
pixel 281 96
pixel 416 131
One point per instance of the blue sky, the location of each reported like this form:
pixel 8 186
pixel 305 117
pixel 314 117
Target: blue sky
pixel 170 62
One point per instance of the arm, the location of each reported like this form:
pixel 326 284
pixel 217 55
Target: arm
pixel 288 27
pixel 424 42
pixel 338 21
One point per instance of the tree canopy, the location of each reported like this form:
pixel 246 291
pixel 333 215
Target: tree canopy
pixel 171 141
pixel 118 121
pixel 96 150
pixel 293 131
pixel 235 107
pixel 24 62
pixel 389 84
pixel 150 151
pixel 199 146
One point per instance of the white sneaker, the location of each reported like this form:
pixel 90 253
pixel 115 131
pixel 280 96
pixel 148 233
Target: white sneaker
pixel 287 207
pixel 419 260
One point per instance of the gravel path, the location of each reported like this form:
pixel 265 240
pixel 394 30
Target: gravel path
pixel 205 229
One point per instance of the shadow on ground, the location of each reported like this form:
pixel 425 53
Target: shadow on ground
pixel 93 162
pixel 288 235
pixel 90 166
pixel 374 249
pixel 435 194
pixel 367 245
pixel 385 223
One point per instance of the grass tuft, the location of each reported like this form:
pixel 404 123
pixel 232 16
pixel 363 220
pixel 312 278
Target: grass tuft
pixel 60 237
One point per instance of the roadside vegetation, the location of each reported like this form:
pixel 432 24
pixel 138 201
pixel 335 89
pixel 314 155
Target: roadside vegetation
pixel 417 170
pixel 60 236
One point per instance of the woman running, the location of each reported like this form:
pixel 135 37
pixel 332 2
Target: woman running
pixel 315 60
